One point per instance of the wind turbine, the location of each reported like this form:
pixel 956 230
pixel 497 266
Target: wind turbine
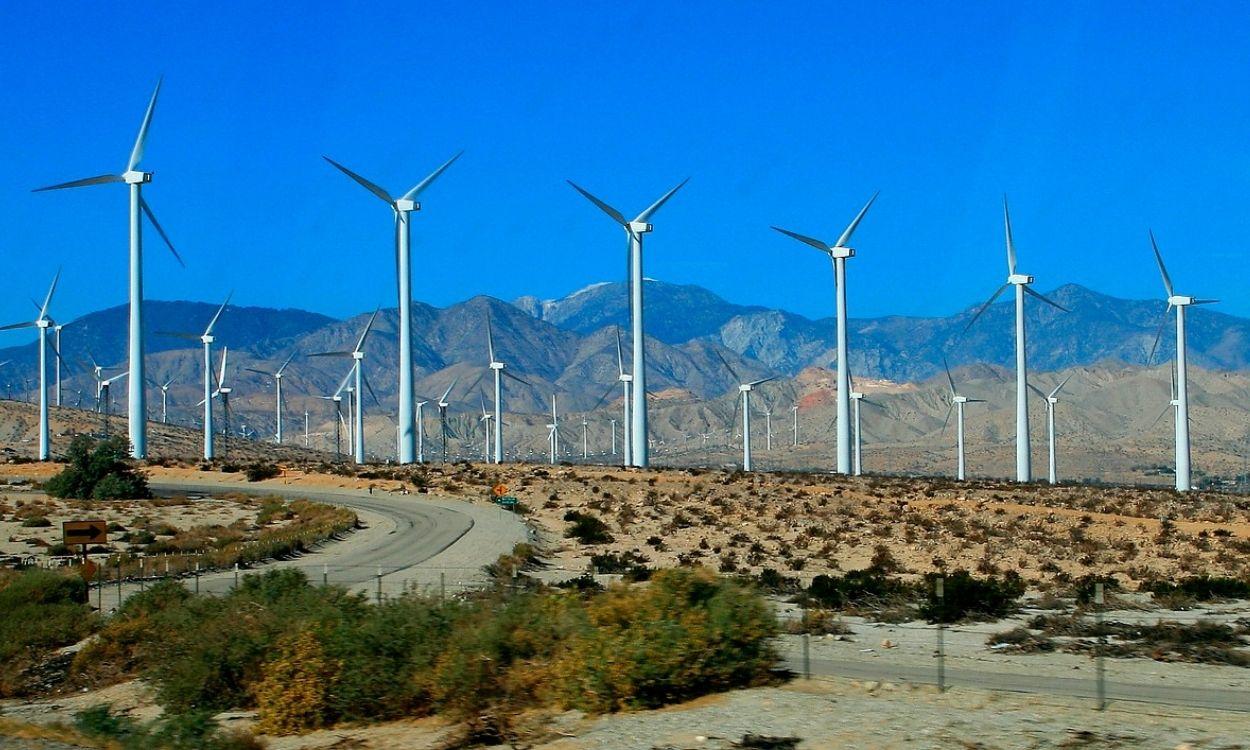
pixel 856 398
pixel 634 230
pixel 135 179
pixel 108 398
pixel 207 340
pixel 1024 457
pixel 337 399
pixel 43 323
pixel 497 368
pixel 442 415
pixel 745 389
pixel 56 329
pixel 626 386
pixel 402 207
pixel 486 417
pixel 957 405
pixel 838 253
pixel 795 410
pixel 277 382
pixel 1051 399
pixel 553 432
pixel 357 354
pixel 164 398
pixel 1180 302
pixel 223 392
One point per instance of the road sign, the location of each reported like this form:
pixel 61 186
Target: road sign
pixel 508 501
pixel 500 490
pixel 85 532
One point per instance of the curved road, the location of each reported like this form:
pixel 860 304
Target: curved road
pixel 413 541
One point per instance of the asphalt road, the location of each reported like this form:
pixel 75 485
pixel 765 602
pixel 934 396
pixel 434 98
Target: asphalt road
pixel 408 541
pixel 1014 682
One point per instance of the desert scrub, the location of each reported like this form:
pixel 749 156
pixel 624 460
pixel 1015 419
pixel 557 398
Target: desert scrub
pixel 40 611
pixel 586 528
pixel 98 470
pixel 970 598
pixel 310 656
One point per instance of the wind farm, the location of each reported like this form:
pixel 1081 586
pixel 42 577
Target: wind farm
pixel 482 477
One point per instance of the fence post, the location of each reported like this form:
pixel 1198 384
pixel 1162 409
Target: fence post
pixel 939 590
pixel 119 582
pixel 1099 667
pixel 99 591
pixel 236 575
pixel 142 572
pixel 442 586
pixel 325 576
pixel 197 578
pixel 379 597
pixel 807 656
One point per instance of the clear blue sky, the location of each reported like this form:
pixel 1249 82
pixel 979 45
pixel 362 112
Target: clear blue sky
pixel 1099 120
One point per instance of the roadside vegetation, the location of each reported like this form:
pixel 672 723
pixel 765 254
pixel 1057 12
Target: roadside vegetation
pixel 98 470
pixel 306 656
pixel 40 612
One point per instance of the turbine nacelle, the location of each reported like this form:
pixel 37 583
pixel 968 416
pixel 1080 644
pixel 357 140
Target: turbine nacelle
pixel 1180 300
pixel 406 205
pixel 135 177
pixel 959 399
pixel 841 252
pixel 496 365
pixel 207 339
pixel 638 227
pixel 1020 279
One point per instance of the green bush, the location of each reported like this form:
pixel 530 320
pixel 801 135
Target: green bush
pixel 1203 588
pixel 36 523
pixel 190 730
pixel 40 610
pixel 586 528
pixel 260 471
pixel 98 470
pixel 630 565
pixel 1083 587
pixel 967 597
pixel 857 587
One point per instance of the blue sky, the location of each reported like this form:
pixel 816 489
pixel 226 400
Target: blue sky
pixel 1098 119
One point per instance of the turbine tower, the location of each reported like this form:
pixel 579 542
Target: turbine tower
pixel 207 340
pixel 745 389
pixel 1180 302
pixel 497 369
pixel 838 253
pixel 1051 399
pixel 402 207
pixel 43 323
pixel 135 179
pixel 223 392
pixel 856 399
pixel 164 399
pixel 357 355
pixel 795 410
pixel 1024 457
pixel 957 405
pixel 420 432
pixel 277 384
pixel 626 386
pixel 634 230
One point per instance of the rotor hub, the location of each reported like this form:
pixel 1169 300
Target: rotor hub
pixel 135 177
pixel 1019 279
pixel 407 205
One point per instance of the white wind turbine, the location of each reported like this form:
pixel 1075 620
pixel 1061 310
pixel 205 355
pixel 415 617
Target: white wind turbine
pixel 402 207
pixel 442 415
pixel 107 397
pixel 838 253
pixel 164 387
pixel 497 369
pixel 43 323
pixel 486 418
pixel 223 392
pixel 745 389
pixel 1180 302
pixel 1024 456
pixel 856 399
pixel 634 230
pixel 207 340
pixel 1051 400
pixel 795 410
pixel 135 179
pixel 357 355
pixel 337 399
pixel 957 405
pixel 277 384
pixel 553 432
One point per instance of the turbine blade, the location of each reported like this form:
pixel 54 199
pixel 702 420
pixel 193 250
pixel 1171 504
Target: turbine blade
pixel 346 379
pixel 258 372
pixel 367 185
pixel 984 307
pixel 147 210
pixel 620 359
pixel 209 330
pixel 949 379
pixel 946 421
pixel 1204 302
pixel 850 229
pixel 1059 387
pixel 225 352
pixel 616 215
pixel 101 180
pixel 1166 409
pixel 365 333
pixel 446 393
pixel 341 355
pixel 1011 245
pixel 647 213
pixel 422 185
pixel 1035 389
pixel 975 401
pixel 43 311
pixel 1029 291
pixel 136 154
pixel 728 366
pixel 178 335
pixel 1167 280
pixel 16 326
pixel 762 381
pixel 517 378
pixel 284 364
pixel 805 239
pixel 490 338
pixel 369 386
pixel 1163 321
pixel 611 389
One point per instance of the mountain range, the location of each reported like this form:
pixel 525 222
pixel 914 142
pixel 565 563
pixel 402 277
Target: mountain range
pixel 567 347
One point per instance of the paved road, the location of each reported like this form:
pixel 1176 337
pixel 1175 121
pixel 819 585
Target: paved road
pixel 414 541
pixel 1015 682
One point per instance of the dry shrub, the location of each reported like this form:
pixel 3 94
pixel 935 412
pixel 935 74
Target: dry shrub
pixel 293 690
